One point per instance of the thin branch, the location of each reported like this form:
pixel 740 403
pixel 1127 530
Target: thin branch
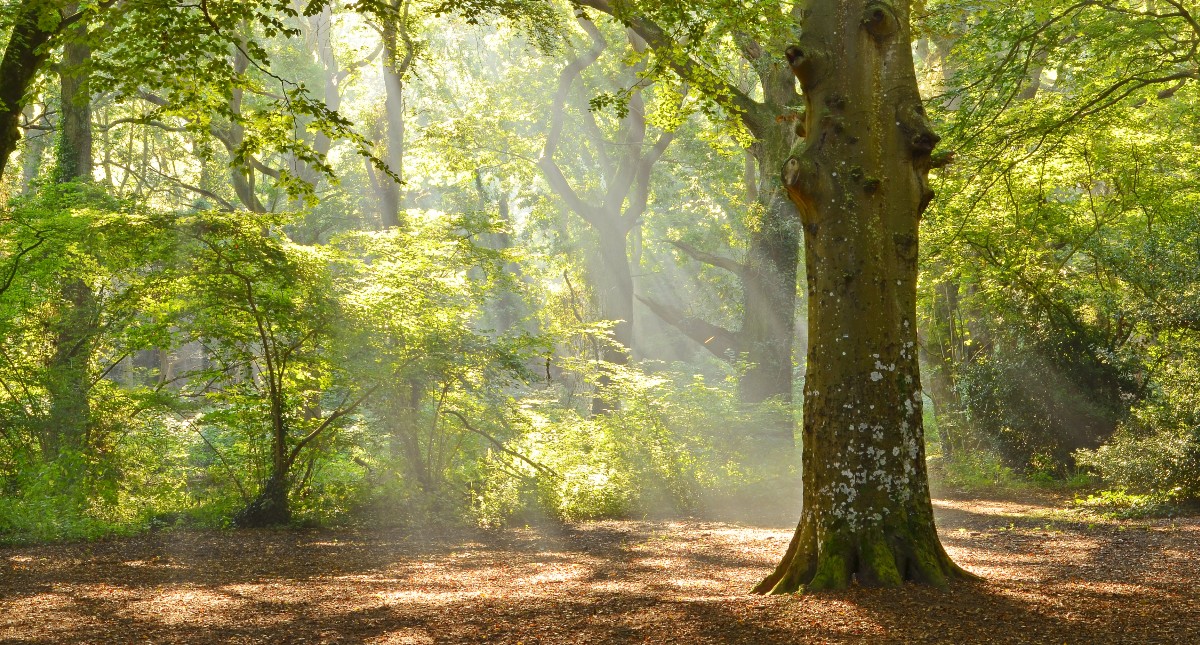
pixel 342 411
pixel 553 173
pixel 232 473
pixel 500 445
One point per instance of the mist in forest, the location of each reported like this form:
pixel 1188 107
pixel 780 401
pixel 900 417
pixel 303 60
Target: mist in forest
pixel 397 266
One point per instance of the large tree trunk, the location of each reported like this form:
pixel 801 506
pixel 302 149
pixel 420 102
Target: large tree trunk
pixel 860 182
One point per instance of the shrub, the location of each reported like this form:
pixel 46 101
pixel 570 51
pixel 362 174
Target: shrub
pixel 676 445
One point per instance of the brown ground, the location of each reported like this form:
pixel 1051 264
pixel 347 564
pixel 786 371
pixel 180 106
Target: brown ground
pixel 1050 578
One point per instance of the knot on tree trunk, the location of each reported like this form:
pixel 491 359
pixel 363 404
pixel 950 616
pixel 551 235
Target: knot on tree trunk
pixel 804 62
pixel 917 129
pixel 879 19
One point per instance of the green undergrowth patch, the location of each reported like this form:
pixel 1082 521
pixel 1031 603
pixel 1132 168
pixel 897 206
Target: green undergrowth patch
pixel 1120 504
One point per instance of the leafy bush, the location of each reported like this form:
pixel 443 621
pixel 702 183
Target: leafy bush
pixel 1037 404
pixel 676 445
pixel 1157 450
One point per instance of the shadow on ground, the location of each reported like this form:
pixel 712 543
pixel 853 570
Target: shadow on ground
pixel 607 582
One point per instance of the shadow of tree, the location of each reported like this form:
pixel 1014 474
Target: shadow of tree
pixel 604 582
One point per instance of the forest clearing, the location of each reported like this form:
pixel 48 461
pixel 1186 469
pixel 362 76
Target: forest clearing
pixel 592 321
pixel 1050 576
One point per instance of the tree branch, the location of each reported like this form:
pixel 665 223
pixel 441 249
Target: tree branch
pixel 720 342
pixel 500 445
pixel 334 416
pixel 753 114
pixel 554 175
pixel 721 262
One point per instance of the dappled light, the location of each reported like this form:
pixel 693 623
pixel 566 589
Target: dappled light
pixel 599 321
pixel 614 581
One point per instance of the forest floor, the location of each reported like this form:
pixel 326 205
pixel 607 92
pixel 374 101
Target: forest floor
pixel 1049 576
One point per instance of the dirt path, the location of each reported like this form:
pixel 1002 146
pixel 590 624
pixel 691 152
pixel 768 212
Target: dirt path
pixel 1049 579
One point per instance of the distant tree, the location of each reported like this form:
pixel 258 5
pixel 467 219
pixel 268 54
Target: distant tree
pixel 615 209
pixel 690 41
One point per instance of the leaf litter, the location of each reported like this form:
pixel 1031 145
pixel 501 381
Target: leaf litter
pixel 1047 578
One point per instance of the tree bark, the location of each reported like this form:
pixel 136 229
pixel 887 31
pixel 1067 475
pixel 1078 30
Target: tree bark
pixel 24 55
pixel 69 379
pixel 860 183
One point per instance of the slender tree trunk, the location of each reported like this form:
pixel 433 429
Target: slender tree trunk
pixel 944 352
pixel 271 506
pixel 69 372
pixel 860 182
pixel 395 65
pixel 242 178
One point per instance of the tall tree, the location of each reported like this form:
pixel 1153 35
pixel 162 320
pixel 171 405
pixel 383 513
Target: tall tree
pixel 615 211
pixel 69 377
pixel 768 272
pixel 399 52
pixel 860 181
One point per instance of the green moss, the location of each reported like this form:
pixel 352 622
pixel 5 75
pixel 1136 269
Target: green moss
pixel 878 561
pixel 833 565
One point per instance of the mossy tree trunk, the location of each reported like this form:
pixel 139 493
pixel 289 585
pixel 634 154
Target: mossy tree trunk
pixel 860 183
pixel 76 323
pixel 33 25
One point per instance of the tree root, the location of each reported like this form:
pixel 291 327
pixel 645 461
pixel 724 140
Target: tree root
pixel 870 557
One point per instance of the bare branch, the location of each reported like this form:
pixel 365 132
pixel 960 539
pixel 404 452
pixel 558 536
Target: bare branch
pixel 720 342
pixel 721 262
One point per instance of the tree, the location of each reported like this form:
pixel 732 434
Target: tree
pixel 768 273
pixel 267 311
pixel 77 322
pixel 860 183
pixel 615 210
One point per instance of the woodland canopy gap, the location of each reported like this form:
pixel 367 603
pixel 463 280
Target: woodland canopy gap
pixel 830 284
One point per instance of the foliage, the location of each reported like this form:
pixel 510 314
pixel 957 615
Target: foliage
pixel 677 444
pixel 1053 264
pixel 1157 450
